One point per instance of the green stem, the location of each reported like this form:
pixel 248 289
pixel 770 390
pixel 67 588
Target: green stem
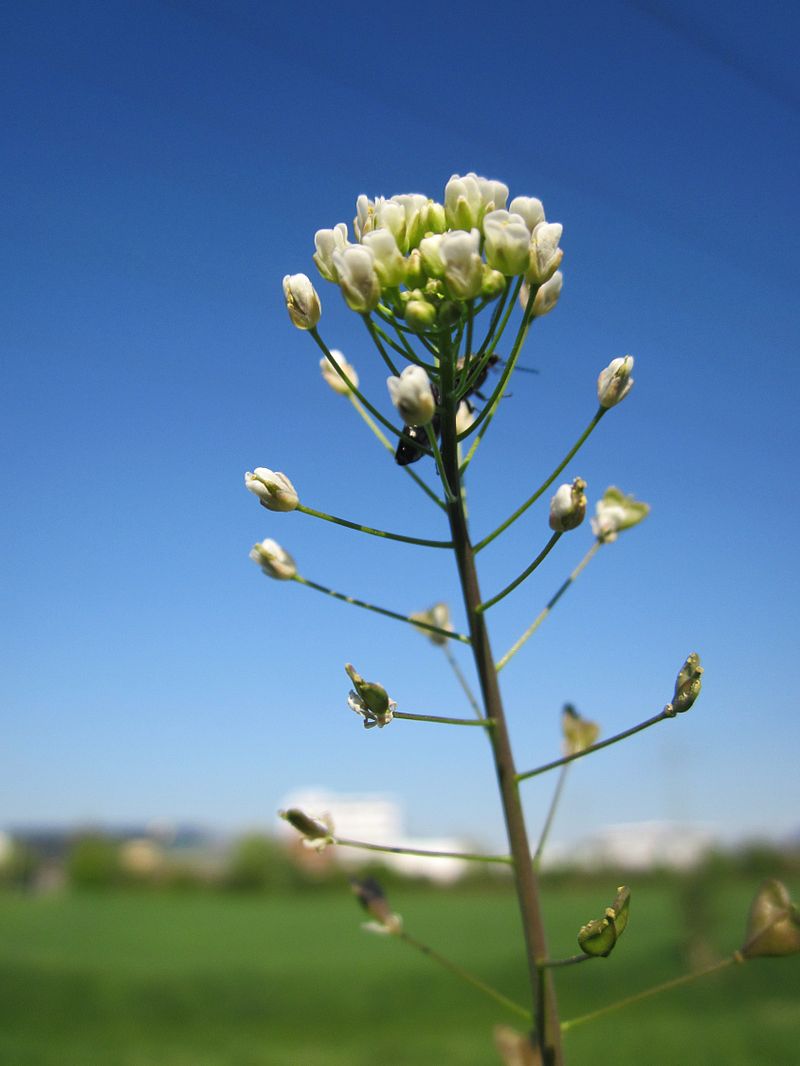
pixel 675 983
pixel 545 485
pixel 444 721
pixel 374 532
pixel 448 492
pixel 390 319
pixel 548 823
pixel 489 410
pixel 373 410
pixel 462 680
pixel 465 975
pixel 467 856
pixel 512 651
pixel 525 573
pixel 493 334
pixel 390 448
pixel 547 1034
pixel 573 960
pixel 380 610
pixel 594 747
pixel 365 318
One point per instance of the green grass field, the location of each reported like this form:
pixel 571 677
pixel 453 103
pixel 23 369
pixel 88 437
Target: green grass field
pixel 213 980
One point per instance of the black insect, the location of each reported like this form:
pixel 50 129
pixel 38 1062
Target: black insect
pixel 413 445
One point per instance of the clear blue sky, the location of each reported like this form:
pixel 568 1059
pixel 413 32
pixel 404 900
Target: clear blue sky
pixel 164 165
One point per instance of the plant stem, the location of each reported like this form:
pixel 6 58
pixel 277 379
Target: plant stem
pixel 594 747
pixel 462 680
pixel 525 573
pixel 547 1036
pixel 545 485
pixel 445 721
pixel 465 975
pixel 665 986
pixel 391 850
pixel 548 822
pixel 449 492
pixel 365 318
pixel 573 960
pixel 390 448
pixel 380 610
pixel 374 532
pixel 512 651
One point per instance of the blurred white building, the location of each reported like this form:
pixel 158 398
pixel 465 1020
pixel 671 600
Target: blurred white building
pixel 635 846
pixel 377 819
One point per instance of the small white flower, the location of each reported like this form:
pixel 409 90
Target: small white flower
pixel 547 295
pixel 507 242
pixel 274 490
pixel 332 378
pixel 463 266
pixel 328 241
pixel 439 616
pixel 273 560
pixel 365 215
pixel 467 199
pixel 412 395
pixel 568 506
pixel 355 266
pixel 616 512
pixel 530 208
pixel 615 382
pixel 416 209
pixel 388 262
pixel 302 301
pixel 371 718
pixel 545 255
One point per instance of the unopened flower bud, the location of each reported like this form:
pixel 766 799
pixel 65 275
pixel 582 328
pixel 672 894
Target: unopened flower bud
pixel 616 512
pixel 615 382
pixel 332 378
pixel 599 936
pixel 568 506
pixel 412 395
pixel 773 925
pixel 529 208
pixel 274 490
pixel 273 560
pixel 507 242
pixel 435 218
pixel 372 898
pixel 463 266
pixel 463 202
pixel 547 295
pixel 430 248
pixel 545 255
pixel 359 283
pixel 302 301
pixel 388 263
pixel 369 700
pixel 317 833
pixel 420 315
pixel 493 282
pixel 687 686
pixel 328 241
pixel 415 269
pixel 579 733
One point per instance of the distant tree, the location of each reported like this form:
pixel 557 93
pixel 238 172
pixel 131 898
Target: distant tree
pixel 93 862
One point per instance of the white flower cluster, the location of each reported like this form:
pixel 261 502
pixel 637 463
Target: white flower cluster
pixel 420 257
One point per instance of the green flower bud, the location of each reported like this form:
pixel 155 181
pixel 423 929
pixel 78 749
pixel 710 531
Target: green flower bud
pixel 415 269
pixel 493 282
pixel 313 829
pixel 420 315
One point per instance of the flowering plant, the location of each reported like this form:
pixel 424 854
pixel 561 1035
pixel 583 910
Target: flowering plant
pixel 437 286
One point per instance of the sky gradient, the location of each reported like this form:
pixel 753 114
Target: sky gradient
pixel 165 165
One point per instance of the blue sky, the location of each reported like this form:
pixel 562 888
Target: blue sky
pixel 165 164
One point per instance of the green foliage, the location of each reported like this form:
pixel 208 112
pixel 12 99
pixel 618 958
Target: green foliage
pixel 93 862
